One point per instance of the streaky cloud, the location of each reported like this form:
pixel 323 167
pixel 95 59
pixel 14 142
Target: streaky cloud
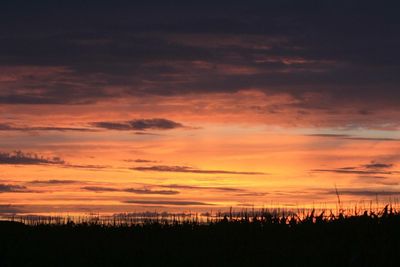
pixel 100 189
pixel 140 161
pixel 364 192
pixel 351 137
pixel 342 171
pixel 186 169
pixel 194 187
pixel 9 127
pixel 87 166
pixel 53 182
pixel 130 190
pixel 151 192
pixel 373 169
pixel 168 202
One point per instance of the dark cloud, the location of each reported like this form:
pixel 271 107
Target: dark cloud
pixel 9 188
pixel 21 158
pixel 376 165
pixel 343 53
pixel 167 202
pixel 186 169
pixel 10 209
pixel 130 190
pixel 139 125
pixel 5 127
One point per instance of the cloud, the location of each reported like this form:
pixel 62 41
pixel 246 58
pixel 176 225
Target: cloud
pixel 87 166
pixel 10 209
pixel 168 202
pixel 139 125
pixel 140 161
pixel 330 135
pixel 252 194
pixel 348 171
pixel 9 188
pixel 376 165
pixel 9 127
pixel 226 189
pixel 355 138
pixel 151 192
pixel 130 190
pixel 21 158
pixel 372 139
pixel 215 51
pixel 364 192
pixel 186 169
pixel 53 182
pixel 373 169
pixel 100 189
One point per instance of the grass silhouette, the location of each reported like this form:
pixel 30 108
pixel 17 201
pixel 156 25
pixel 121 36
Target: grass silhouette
pixel 257 238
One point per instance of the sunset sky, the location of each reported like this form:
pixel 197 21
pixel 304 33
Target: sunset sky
pixel 173 106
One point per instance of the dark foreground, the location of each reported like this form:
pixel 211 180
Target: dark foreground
pixel 355 241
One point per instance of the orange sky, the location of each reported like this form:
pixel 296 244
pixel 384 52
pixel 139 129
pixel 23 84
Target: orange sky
pixel 220 153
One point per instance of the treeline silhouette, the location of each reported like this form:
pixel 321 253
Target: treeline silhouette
pixel 241 239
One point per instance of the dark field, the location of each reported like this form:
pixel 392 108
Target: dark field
pixel 317 240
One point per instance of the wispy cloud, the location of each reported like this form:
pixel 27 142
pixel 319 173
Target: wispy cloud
pixel 140 161
pixel 355 138
pixel 168 202
pixel 53 182
pixel 373 168
pixel 151 192
pixel 10 127
pixel 193 187
pixel 100 189
pixel 186 169
pixel 87 166
pixel 346 171
pixel 130 190
pixel 252 194
pixel 364 192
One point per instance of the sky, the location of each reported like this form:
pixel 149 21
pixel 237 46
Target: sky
pixel 130 106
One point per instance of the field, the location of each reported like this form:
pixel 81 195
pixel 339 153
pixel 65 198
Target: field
pixel 240 239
